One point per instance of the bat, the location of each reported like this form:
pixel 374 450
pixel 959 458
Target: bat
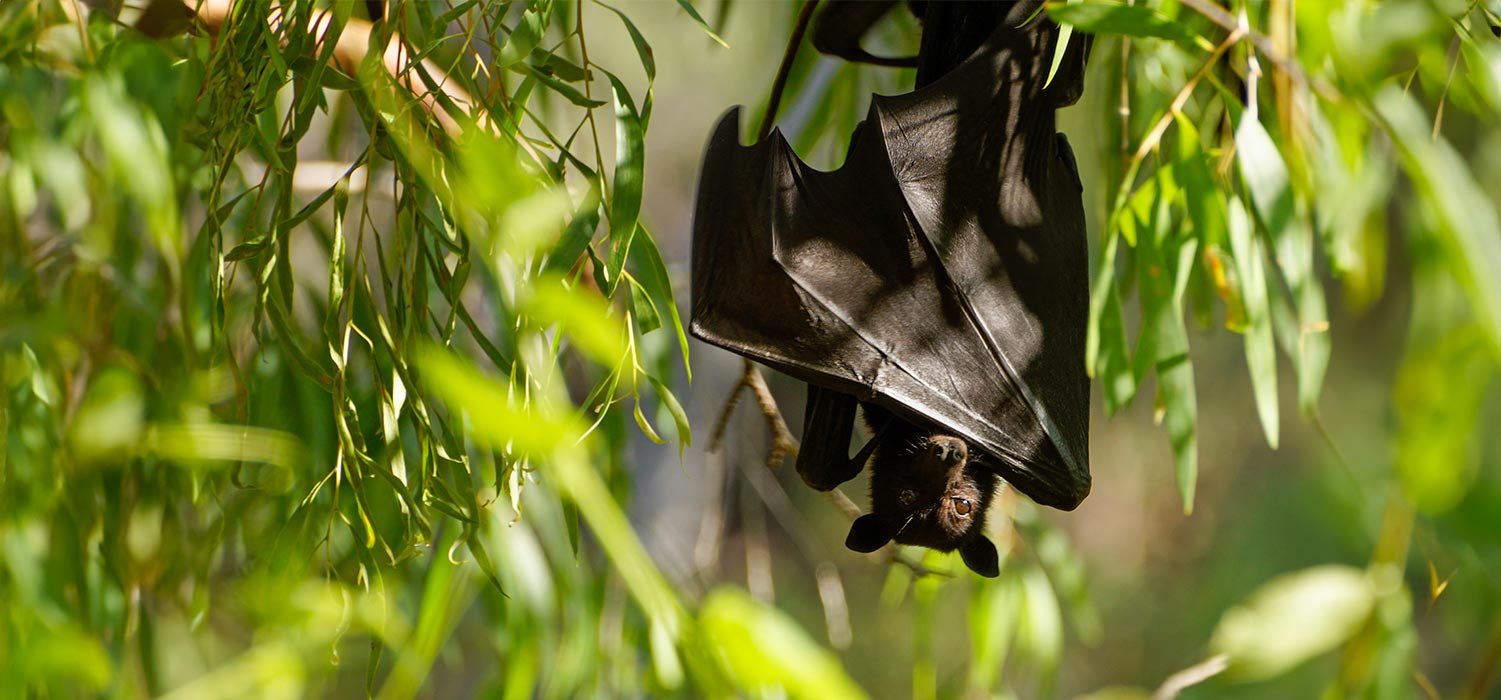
pixel 939 277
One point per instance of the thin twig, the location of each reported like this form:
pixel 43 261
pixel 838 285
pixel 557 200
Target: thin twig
pixel 788 57
pixel 1191 676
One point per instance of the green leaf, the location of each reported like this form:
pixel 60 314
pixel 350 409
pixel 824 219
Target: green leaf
pixel 645 425
pixel 246 250
pixel 653 275
pixel 1266 179
pixel 1261 356
pixel 675 409
pixel 524 37
pixel 557 66
pixel 1060 49
pixel 625 204
pixel 565 254
pixel 1109 17
pixel 643 308
pixel 761 648
pixel 1292 619
pixel 1165 262
pixel 1108 357
pixel 687 6
pixel 568 92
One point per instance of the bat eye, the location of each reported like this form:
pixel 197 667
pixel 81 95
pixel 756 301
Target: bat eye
pixel 962 507
pixel 906 497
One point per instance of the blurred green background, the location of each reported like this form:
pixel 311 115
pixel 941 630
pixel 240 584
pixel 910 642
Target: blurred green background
pixel 310 392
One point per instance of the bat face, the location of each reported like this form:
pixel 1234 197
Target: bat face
pixel 931 490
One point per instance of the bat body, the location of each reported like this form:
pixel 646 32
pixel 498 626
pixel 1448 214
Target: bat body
pixel 939 278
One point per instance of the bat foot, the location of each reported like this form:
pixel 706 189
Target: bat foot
pixel 782 442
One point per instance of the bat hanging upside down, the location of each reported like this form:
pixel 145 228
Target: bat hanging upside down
pixel 939 279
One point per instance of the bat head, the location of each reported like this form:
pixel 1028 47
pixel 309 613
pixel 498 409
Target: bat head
pixel 928 489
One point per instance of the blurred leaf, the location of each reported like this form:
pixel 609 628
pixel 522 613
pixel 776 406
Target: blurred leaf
pixel 1108 17
pixel 111 417
pixel 1467 217
pixel 1039 635
pixel 1293 618
pixel 1117 693
pixel 498 419
pixel 580 313
pixel 195 442
pixel 994 610
pixel 763 649
pixel 1439 395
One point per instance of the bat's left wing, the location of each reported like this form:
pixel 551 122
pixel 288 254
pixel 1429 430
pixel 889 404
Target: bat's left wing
pixel 940 273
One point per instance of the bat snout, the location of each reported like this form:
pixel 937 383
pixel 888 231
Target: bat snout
pixel 947 451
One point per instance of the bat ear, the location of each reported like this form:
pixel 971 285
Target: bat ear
pixel 867 534
pixel 979 555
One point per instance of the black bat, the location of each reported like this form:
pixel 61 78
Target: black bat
pixel 941 274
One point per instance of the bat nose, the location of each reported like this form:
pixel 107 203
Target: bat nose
pixel 948 450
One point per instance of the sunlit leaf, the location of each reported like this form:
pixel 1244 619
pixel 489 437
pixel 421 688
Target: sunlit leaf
pixel 1293 618
pixel 763 649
